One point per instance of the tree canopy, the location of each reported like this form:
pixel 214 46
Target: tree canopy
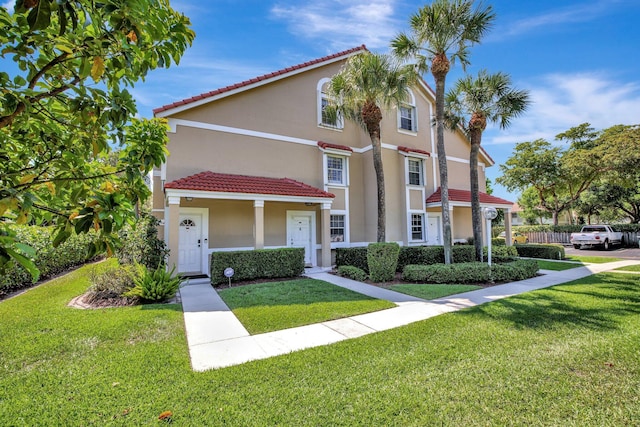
pixel 66 105
pixel 603 163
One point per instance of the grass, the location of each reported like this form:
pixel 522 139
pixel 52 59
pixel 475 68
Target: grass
pixel 273 306
pixel 566 355
pixel 557 265
pixel 630 268
pixel 429 291
pixel 592 259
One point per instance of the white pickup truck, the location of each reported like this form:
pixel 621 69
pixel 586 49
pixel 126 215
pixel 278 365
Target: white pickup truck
pixel 596 235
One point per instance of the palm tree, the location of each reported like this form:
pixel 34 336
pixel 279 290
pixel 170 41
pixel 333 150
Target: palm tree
pixel 442 33
pixel 367 83
pixel 470 105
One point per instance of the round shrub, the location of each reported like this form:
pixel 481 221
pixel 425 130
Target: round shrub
pixel 382 259
pixel 353 273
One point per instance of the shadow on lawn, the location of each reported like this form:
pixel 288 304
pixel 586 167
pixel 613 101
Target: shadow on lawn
pixel 596 302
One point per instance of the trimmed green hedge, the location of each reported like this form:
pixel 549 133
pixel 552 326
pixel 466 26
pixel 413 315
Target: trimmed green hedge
pixel 546 251
pixel 425 255
pixel 257 264
pixel 382 259
pixel 470 272
pixel 356 257
pixel 353 273
pixel 49 260
pixel 500 253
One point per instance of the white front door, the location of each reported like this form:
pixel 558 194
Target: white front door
pixel 300 233
pixel 190 244
pixel 434 233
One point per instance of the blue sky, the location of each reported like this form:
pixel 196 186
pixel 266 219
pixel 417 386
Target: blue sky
pixel 578 58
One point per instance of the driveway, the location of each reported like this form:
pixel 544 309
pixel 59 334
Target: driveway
pixel 625 253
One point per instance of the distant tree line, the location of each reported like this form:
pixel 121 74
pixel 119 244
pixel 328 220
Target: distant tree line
pixel 591 174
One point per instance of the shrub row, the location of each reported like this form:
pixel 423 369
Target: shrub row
pixel 257 264
pixel 470 272
pixel 425 255
pixel 353 273
pixel 546 251
pixel 49 260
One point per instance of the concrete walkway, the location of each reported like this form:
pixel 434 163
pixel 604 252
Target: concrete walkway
pixel 217 339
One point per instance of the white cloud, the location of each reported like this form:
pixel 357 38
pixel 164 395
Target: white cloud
pixel 562 101
pixel 342 24
pixel 586 12
pixel 9 5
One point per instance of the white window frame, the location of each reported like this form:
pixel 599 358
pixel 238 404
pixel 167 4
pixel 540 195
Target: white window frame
pixel 420 171
pixel 422 226
pixel 411 106
pixel 323 96
pixel 343 227
pixel 343 177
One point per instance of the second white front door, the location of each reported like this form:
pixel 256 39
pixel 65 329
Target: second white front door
pixel 300 233
pixel 434 230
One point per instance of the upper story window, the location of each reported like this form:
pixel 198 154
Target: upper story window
pixel 324 118
pixel 407 119
pixel 336 171
pixel 416 172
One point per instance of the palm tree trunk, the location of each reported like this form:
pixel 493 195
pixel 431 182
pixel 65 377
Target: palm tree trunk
pixel 476 214
pixel 442 166
pixel 372 116
pixel 377 165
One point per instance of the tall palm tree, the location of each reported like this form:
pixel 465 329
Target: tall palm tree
pixel 441 34
pixel 471 104
pixel 365 85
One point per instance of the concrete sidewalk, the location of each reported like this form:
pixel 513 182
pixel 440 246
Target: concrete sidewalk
pixel 217 339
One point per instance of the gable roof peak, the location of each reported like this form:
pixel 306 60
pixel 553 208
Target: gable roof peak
pixel 196 100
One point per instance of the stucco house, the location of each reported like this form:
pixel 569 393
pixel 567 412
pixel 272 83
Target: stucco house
pixel 258 165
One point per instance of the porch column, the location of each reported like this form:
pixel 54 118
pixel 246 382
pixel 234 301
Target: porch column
pixel 507 226
pixel 325 230
pixel 173 222
pixel 451 221
pixel 258 224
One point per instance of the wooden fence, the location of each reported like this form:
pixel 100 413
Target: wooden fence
pixel 630 238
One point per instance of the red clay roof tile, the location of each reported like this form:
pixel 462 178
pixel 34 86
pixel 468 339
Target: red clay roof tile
pixel 465 196
pixel 413 150
pixel 256 79
pixel 323 144
pixel 229 183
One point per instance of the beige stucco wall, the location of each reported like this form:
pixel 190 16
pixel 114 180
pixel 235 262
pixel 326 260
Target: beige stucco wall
pixel 288 108
pixel 462 227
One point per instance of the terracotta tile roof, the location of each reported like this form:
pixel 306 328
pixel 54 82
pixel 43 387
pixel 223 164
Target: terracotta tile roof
pixel 323 144
pixel 413 150
pixel 465 196
pixel 228 183
pixel 257 79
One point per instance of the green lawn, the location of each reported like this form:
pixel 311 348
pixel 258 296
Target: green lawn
pixel 273 306
pixel 567 355
pixel 592 259
pixel 557 265
pixel 630 268
pixel 429 291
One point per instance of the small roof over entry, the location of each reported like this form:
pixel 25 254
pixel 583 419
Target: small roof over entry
pixel 233 186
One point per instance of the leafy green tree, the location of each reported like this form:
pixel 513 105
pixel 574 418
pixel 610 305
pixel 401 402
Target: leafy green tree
pixel 365 84
pixel 530 203
pixel 472 103
pixel 67 103
pixel 441 34
pixel 559 175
